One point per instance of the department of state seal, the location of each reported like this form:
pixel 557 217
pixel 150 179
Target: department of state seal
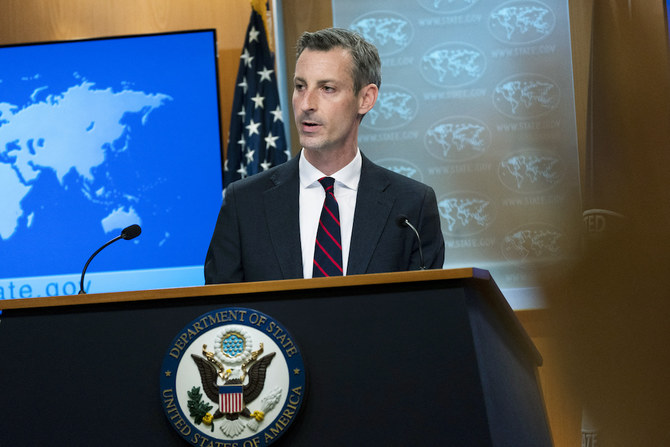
pixel 232 376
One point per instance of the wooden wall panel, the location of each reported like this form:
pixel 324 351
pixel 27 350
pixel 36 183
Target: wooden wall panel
pixel 580 35
pixel 301 16
pixel 564 410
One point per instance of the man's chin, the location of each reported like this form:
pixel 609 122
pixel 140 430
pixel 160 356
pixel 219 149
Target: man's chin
pixel 312 144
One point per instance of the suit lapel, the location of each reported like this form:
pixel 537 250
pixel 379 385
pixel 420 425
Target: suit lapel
pixel 373 206
pixel 281 202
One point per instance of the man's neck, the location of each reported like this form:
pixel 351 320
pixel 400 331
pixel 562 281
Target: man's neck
pixel 330 161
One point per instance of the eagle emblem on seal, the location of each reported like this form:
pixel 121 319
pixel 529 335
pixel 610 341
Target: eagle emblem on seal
pixel 233 377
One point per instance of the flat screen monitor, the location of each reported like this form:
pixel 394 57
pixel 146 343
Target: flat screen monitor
pixel 97 135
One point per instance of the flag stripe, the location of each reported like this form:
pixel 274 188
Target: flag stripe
pixel 231 398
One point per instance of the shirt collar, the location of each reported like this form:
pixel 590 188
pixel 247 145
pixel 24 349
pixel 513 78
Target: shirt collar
pixel 348 176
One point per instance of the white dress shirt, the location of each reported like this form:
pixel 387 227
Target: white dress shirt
pixel 312 196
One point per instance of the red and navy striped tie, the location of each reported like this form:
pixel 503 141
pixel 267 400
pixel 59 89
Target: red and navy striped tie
pixel 328 247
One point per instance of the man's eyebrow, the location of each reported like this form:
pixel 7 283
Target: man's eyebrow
pixel 319 82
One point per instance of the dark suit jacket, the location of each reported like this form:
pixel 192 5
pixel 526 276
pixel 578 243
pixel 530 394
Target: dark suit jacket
pixel 257 234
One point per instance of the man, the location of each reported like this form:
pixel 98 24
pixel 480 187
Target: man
pixel 269 222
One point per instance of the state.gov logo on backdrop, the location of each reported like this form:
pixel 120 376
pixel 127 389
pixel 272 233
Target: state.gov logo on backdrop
pixel 232 376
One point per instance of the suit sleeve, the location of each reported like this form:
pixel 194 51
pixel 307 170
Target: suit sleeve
pixel 223 263
pixel 432 241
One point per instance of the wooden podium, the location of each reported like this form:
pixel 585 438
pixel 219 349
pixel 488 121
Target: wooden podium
pixel 431 357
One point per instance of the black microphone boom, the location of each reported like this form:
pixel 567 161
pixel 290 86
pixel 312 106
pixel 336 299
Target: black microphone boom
pixel 403 221
pixel 128 233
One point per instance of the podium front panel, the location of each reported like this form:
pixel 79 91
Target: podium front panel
pixel 387 364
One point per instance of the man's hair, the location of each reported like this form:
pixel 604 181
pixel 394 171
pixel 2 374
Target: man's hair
pixel 366 66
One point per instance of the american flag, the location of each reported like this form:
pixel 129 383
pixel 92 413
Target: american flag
pixel 256 140
pixel 231 398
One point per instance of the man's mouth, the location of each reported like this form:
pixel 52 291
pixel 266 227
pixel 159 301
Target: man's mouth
pixel 310 125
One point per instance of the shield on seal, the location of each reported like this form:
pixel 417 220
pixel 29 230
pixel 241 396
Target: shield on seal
pixel 231 398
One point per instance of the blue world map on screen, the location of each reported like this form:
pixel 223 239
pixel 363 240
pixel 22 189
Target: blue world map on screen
pixel 39 138
pixel 98 135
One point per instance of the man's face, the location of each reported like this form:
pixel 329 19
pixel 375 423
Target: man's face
pixel 324 105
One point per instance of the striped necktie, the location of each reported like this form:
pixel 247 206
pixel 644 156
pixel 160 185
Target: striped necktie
pixel 328 247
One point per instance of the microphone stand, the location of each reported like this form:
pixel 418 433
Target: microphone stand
pixel 128 233
pixel 81 281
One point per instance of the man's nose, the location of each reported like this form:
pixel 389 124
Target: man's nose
pixel 308 100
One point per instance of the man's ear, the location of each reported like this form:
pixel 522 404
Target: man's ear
pixel 367 98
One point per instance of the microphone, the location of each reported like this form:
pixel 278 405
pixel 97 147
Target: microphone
pixel 403 222
pixel 127 233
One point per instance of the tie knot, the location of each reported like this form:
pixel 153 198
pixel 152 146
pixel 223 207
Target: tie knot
pixel 327 182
